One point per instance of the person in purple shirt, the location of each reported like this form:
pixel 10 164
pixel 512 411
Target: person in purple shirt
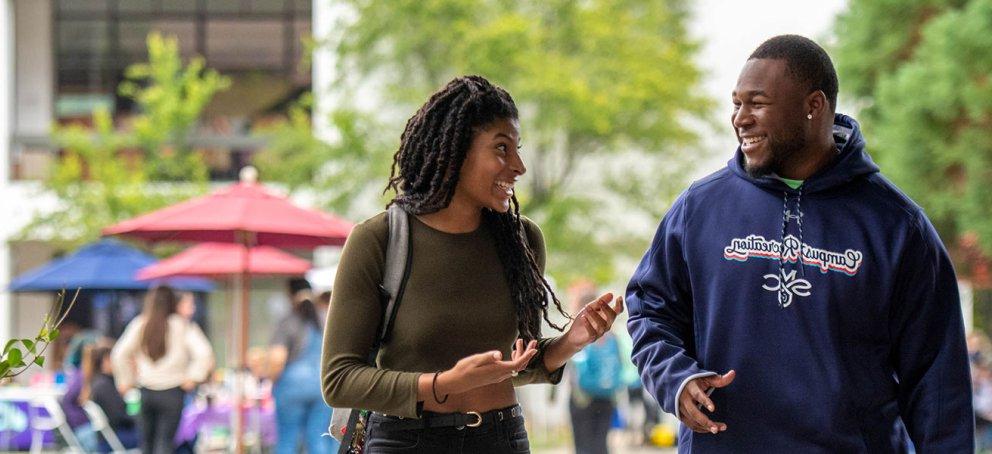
pixel 70 403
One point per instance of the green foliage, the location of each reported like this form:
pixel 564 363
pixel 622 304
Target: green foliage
pixel 338 171
pixel 171 98
pixel 593 81
pixel 930 103
pixel 20 354
pixel 113 172
pixel 876 37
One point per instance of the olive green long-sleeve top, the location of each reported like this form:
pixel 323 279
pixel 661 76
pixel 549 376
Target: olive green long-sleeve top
pixel 456 303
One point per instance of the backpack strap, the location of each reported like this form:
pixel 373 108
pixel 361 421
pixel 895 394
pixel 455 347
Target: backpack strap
pixel 349 434
pixel 397 267
pixel 394 276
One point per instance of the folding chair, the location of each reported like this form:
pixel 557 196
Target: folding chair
pixel 100 423
pixel 54 420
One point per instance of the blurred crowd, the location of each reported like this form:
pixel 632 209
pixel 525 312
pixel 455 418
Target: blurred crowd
pixel 605 390
pixel 157 388
pixel 980 356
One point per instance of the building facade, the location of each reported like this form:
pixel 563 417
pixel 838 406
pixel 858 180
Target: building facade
pixel 64 58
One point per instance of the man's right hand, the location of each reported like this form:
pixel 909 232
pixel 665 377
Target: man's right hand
pixel 694 397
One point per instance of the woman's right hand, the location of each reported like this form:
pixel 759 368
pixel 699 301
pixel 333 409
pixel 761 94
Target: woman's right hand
pixel 484 369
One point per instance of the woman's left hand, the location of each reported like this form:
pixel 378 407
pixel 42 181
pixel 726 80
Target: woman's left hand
pixel 593 321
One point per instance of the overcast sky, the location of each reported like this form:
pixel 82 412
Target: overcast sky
pixel 731 30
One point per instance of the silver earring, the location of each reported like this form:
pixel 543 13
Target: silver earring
pixel 809 116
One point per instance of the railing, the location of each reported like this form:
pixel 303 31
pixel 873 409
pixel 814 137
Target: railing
pixel 32 156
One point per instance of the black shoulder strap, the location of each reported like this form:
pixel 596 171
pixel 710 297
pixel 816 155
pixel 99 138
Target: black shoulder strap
pixel 396 269
pixel 394 275
pixel 349 434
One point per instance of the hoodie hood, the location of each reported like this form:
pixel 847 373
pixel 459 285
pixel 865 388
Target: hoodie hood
pixel 852 161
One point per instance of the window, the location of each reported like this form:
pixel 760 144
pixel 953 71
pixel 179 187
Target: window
pixel 258 43
pixel 97 39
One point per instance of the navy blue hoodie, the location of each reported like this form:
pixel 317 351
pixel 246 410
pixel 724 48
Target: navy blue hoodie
pixel 857 332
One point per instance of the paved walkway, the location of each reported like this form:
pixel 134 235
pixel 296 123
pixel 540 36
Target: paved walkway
pixel 613 450
pixel 618 445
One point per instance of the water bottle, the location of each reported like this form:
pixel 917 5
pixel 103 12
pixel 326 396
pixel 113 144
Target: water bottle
pixel 132 401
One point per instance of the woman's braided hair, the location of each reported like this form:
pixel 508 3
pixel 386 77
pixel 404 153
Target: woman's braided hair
pixel 425 173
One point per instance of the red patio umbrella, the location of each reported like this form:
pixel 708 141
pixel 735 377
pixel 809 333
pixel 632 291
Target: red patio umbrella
pixel 244 211
pixel 225 259
pixel 246 214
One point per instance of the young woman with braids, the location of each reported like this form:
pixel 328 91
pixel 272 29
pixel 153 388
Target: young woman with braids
pixel 468 327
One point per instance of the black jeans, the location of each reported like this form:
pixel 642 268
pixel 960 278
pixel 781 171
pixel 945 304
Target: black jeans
pixel 160 413
pixel 505 437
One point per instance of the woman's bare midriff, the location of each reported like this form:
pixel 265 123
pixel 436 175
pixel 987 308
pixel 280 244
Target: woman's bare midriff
pixel 481 399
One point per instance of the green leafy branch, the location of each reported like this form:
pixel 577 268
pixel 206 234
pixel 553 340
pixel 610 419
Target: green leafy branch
pixel 19 354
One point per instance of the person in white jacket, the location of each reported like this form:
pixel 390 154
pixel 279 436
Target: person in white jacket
pixel 164 355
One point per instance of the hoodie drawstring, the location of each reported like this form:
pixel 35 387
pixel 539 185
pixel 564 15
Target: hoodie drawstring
pixel 799 220
pixel 783 295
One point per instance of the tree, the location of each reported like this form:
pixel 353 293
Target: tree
pixel 594 80
pixel 923 71
pixel 339 173
pixel 111 172
pixel 170 97
pixel 876 37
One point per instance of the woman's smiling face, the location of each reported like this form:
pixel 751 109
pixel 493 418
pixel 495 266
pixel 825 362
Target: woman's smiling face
pixel 491 167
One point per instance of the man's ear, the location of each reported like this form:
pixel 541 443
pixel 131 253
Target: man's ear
pixel 817 104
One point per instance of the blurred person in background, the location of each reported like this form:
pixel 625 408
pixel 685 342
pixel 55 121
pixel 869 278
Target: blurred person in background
pixel 186 307
pixel 637 396
pixel 294 368
pixel 595 378
pixel 73 367
pixel 323 303
pixel 165 356
pixel 66 345
pixel 979 351
pixel 100 387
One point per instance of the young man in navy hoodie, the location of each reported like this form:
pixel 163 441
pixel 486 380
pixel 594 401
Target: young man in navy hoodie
pixel 819 290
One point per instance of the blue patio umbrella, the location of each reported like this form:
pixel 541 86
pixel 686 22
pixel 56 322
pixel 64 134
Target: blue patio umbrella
pixel 107 264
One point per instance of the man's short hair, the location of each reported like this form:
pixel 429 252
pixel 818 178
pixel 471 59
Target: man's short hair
pixel 806 60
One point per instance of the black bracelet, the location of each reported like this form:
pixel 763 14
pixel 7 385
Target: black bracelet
pixel 434 389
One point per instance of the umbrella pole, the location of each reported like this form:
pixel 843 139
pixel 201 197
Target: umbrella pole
pixel 242 374
pixel 247 241
pixel 237 301
pixel 233 303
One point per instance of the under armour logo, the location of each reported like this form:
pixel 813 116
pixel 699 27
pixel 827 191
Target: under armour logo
pixel 787 287
pixel 789 216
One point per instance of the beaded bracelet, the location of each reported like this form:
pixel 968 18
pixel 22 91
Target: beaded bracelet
pixel 434 389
